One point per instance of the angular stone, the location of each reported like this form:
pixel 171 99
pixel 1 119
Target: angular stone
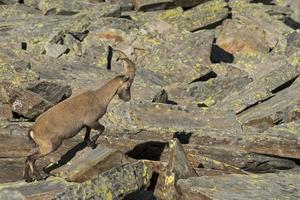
pixel 266 186
pixel 282 108
pixel 211 87
pixel 178 168
pixel 178 162
pixel 51 91
pixel 63 7
pixel 146 5
pixel 192 19
pixel 111 184
pixel 267 85
pixel 269 143
pixel 55 50
pixel 90 162
pixel 236 36
pixel 28 104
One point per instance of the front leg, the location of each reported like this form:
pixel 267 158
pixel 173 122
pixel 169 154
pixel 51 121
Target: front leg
pixel 87 135
pixel 97 126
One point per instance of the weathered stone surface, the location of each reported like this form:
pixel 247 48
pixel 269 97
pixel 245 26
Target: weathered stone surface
pixel 5 112
pixel 287 146
pixel 90 162
pixel 192 19
pixel 63 7
pixel 51 91
pixel 267 186
pixel 55 50
pixel 282 108
pixel 164 117
pixel 146 5
pixel 112 184
pixel 265 87
pixel 37 99
pixel 210 88
pixel 27 104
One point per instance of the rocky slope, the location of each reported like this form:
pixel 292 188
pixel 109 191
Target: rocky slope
pixel 215 103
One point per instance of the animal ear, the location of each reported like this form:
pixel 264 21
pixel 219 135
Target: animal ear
pixel 125 78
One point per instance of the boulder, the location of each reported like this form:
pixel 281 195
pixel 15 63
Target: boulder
pixel 90 162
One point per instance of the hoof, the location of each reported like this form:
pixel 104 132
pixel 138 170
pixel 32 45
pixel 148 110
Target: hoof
pixel 41 178
pixel 92 145
pixel 28 179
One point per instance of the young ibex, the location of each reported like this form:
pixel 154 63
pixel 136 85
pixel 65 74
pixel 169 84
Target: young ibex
pixel 67 118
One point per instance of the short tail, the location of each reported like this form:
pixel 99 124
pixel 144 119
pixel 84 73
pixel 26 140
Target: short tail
pixel 30 131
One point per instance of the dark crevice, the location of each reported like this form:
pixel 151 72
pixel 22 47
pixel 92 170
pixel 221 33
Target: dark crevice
pixel 255 104
pixel 183 137
pixel 187 8
pixel 206 77
pixel 229 16
pixel 219 55
pixel 21 1
pixel 210 26
pixel 24 46
pixel 16 115
pixel 153 181
pixel 265 2
pixel 126 17
pixel 109 57
pixel 284 86
pixel 79 35
pixel 291 23
pixel 149 150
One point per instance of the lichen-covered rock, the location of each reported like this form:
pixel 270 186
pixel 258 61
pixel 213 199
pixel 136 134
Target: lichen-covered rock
pixel 191 20
pixel 163 117
pixel 266 186
pixel 282 108
pixel 90 162
pixel 112 184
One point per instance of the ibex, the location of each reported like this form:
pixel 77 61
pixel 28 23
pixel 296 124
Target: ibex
pixel 67 118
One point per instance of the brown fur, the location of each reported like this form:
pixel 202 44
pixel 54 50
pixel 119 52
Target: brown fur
pixel 67 118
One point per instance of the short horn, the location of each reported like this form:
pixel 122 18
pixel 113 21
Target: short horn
pixel 129 66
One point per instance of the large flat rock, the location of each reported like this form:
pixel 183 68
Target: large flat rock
pixel 237 187
pixel 111 184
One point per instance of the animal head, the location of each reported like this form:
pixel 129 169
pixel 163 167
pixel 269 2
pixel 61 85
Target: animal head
pixel 124 90
pixel 127 78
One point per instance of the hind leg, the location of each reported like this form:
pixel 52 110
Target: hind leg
pixel 41 152
pixel 27 165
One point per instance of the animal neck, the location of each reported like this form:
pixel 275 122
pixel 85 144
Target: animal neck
pixel 107 92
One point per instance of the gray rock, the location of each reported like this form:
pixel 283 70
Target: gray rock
pixel 55 50
pixel 114 183
pixel 89 163
pixel 52 92
pixel 265 186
